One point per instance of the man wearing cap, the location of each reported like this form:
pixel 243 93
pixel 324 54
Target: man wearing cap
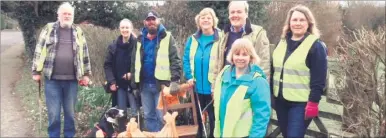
pixel 157 64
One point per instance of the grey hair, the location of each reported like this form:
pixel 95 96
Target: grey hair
pixel 65 5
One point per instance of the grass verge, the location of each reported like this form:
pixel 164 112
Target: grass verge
pixel 87 112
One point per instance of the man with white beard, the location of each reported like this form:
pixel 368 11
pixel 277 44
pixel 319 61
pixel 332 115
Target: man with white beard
pixel 62 57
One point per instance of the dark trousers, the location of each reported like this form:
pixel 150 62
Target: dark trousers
pixel 290 116
pixel 204 100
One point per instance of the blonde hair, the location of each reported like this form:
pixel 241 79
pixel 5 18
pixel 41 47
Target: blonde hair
pixel 204 12
pixel 65 5
pixel 125 20
pixel 245 3
pixel 312 27
pixel 246 45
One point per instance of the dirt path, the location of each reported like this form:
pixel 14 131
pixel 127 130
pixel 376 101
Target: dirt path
pixel 13 116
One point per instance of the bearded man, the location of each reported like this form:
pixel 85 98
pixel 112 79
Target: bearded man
pixel 157 64
pixel 61 57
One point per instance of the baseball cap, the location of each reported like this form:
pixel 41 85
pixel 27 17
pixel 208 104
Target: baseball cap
pixel 151 14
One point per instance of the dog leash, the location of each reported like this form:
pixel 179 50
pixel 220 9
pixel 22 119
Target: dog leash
pixel 106 107
pixel 40 107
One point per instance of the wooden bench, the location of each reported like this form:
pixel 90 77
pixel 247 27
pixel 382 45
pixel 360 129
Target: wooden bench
pixel 185 130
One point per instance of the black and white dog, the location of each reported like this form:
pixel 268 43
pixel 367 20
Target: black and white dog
pixel 108 124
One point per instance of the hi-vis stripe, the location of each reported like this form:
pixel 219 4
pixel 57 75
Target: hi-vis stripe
pixel 247 114
pixel 292 85
pixel 292 71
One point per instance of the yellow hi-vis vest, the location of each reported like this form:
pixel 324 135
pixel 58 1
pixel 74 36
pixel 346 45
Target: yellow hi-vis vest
pixel 78 39
pixel 296 74
pixel 212 64
pixel 162 64
pixel 238 119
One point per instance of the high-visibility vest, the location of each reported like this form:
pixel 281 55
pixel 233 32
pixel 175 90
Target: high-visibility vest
pixel 296 74
pixel 162 65
pixel 238 119
pixel 79 39
pixel 212 58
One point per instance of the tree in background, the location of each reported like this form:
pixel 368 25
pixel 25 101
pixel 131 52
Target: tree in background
pixel 370 15
pixel 31 15
pixel 257 12
pixel 108 13
pixel 327 15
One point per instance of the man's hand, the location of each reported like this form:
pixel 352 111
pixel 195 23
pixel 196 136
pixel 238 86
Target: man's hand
pixel 174 87
pixel 191 82
pixel 85 81
pixel 127 76
pixel 113 87
pixel 36 78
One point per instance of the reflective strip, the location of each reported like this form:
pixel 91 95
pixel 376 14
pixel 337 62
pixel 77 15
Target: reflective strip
pixel 164 56
pixel 293 72
pixel 295 86
pixel 247 114
pixel 163 67
pixel 292 85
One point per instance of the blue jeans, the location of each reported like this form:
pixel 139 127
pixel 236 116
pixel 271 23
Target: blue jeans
pixel 153 116
pixel 290 116
pixel 123 97
pixel 61 93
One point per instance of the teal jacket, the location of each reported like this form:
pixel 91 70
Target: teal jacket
pixel 201 65
pixel 258 92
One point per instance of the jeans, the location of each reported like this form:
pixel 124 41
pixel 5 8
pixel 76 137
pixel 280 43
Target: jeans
pixel 290 116
pixel 204 99
pixel 122 97
pixel 61 93
pixel 153 116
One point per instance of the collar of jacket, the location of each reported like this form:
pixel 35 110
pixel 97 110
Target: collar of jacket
pixel 247 29
pixel 161 32
pixel 57 25
pixel 198 34
pixel 289 35
pixel 230 74
pixel 131 39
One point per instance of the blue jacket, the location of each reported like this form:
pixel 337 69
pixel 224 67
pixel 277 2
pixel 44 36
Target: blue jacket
pixel 201 65
pixel 258 92
pixel 149 56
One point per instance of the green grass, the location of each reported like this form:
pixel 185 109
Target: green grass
pixel 88 108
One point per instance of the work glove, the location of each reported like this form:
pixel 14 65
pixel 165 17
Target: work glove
pixel 174 88
pixel 312 110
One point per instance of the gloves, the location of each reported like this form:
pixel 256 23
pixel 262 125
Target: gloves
pixel 174 87
pixel 312 110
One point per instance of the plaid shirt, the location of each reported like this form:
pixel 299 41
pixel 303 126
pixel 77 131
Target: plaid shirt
pixel 47 44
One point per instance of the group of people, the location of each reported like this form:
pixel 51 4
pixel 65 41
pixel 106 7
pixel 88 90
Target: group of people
pixel 232 71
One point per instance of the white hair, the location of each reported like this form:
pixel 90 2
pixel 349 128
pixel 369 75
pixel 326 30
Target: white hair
pixel 65 5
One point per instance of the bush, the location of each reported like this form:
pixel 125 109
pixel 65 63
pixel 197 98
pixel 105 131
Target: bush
pixel 363 95
pixel 89 108
pixel 98 39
